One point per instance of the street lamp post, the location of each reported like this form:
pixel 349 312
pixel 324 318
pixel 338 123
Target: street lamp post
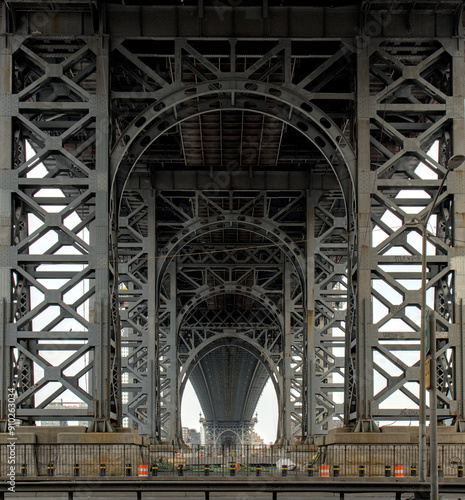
pixel 433 415
pixel 453 163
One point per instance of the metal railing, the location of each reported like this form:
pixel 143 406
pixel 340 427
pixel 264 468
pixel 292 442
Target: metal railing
pixel 119 460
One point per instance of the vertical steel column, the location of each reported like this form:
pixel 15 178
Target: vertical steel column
pixel 310 387
pixel 457 178
pixel 359 347
pixel 403 159
pixel 153 376
pixel 107 348
pixel 75 175
pixel 138 300
pixel 172 401
pixel 433 424
pixel 6 179
pixel 287 369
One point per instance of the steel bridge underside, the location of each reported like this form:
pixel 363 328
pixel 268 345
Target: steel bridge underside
pixel 227 195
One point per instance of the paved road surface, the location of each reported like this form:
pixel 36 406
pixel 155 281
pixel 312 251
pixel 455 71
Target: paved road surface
pixel 223 496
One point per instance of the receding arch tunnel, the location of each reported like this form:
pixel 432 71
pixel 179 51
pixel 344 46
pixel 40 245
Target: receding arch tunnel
pixel 219 378
pixel 251 127
pixel 232 189
pixel 230 344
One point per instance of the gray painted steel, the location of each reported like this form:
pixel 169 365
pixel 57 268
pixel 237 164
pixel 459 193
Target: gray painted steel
pixel 203 182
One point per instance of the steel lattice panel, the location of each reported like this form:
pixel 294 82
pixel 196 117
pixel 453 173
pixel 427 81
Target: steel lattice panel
pixel 243 190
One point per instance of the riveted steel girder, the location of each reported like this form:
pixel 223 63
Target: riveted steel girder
pixel 400 167
pixel 94 266
pixel 61 340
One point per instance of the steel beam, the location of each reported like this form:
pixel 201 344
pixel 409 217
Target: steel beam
pixel 359 355
pixel 107 352
pixel 457 260
pixel 351 263
pixel 50 232
pixel 6 162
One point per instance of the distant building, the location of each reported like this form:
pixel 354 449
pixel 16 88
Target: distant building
pixel 256 439
pixel 194 436
pixel 191 436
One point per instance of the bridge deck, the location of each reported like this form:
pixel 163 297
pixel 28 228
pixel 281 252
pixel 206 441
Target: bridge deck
pixel 274 486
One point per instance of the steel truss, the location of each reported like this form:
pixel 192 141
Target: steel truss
pixel 206 215
pixel 105 270
pixel 408 102
pixel 60 336
pixel 200 273
pixel 228 433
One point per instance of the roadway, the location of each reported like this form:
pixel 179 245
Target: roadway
pixel 229 489
pixel 225 496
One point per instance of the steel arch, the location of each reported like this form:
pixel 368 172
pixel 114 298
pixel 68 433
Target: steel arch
pixel 172 109
pixel 243 343
pixel 238 341
pixel 266 228
pixel 254 292
pixel 232 431
pixel 206 292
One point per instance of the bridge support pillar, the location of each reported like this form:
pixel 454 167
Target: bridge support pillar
pixel 457 262
pixel 6 140
pixel 107 361
pixel 359 409
pixel 168 352
pixel 152 389
pixel 309 404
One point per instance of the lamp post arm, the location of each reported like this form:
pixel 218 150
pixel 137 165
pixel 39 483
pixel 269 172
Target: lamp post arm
pixel 436 197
